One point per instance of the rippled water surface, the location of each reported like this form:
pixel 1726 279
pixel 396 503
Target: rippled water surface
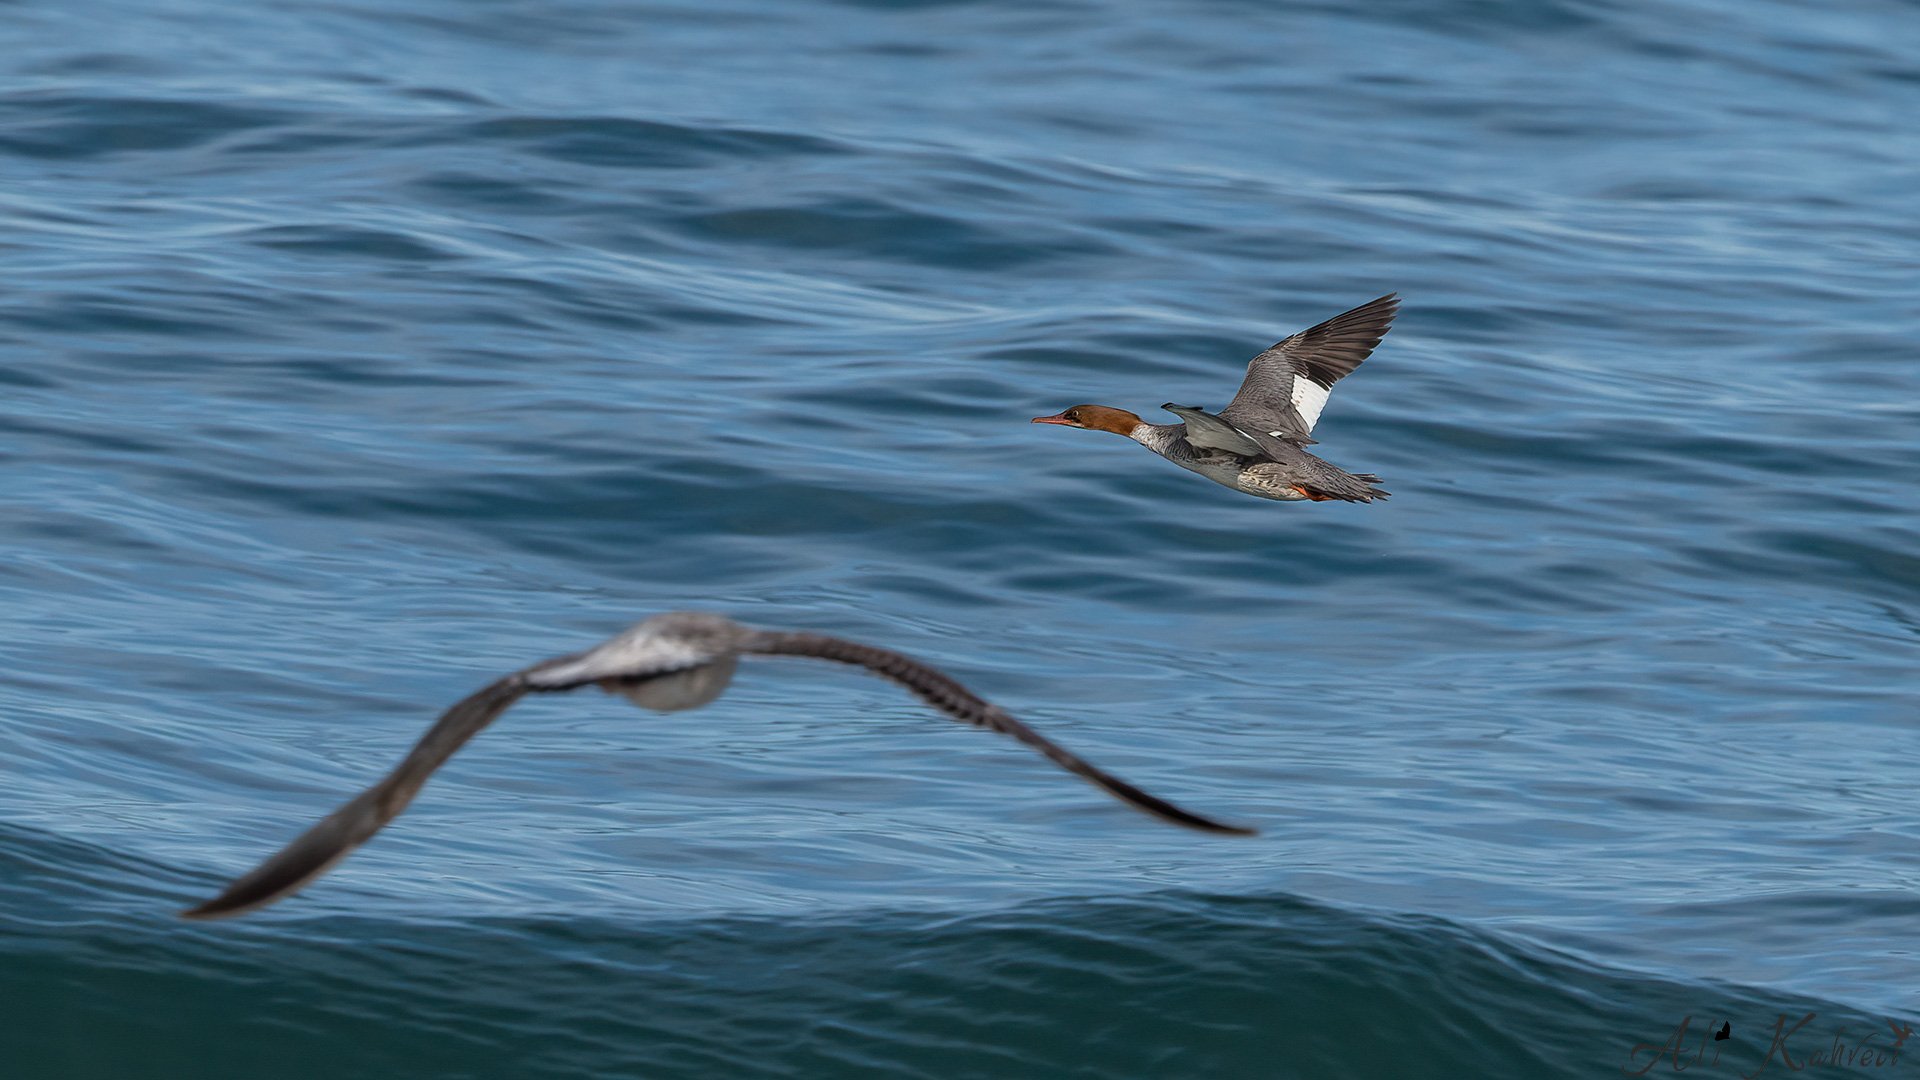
pixel 354 354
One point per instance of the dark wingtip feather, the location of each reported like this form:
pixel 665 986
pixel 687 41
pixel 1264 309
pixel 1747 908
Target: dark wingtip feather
pixel 315 851
pixel 214 909
pixel 1159 807
pixel 1331 350
pixel 939 690
pixel 310 855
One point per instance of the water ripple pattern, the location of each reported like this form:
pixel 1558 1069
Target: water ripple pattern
pixel 353 354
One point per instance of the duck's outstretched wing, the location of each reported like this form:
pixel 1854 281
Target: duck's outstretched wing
pixel 1288 385
pixel 937 689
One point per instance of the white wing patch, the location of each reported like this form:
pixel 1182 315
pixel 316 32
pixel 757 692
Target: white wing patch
pixel 1309 398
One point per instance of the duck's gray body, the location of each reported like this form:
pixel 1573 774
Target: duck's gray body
pixel 1282 472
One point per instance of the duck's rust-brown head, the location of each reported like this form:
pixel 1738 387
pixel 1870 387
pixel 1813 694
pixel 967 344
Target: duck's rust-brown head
pixel 1096 417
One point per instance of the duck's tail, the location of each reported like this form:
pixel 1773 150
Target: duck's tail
pixel 1338 484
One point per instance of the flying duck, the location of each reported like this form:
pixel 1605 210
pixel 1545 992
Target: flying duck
pixel 680 660
pixel 1257 444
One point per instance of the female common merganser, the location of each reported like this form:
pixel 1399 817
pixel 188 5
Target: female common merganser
pixel 1257 443
pixel 680 660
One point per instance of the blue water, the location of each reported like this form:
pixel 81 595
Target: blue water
pixel 354 354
